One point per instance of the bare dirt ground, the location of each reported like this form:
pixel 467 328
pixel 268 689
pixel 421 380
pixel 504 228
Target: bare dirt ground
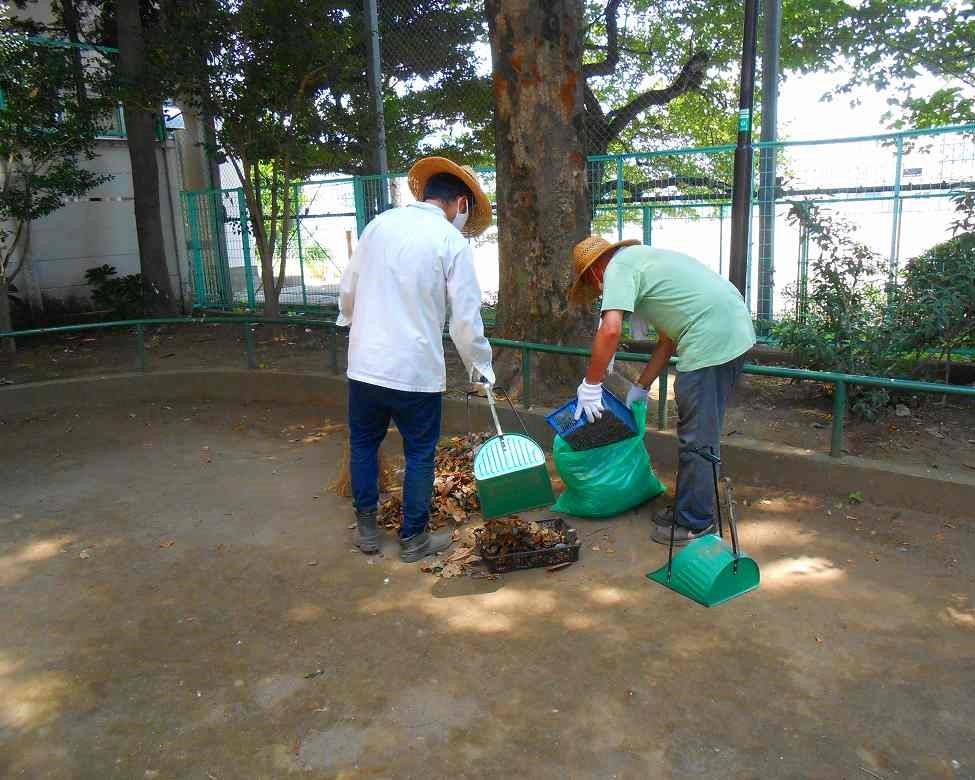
pixel 178 599
pixel 936 435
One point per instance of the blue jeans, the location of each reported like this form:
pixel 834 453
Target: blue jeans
pixel 417 416
pixel 702 396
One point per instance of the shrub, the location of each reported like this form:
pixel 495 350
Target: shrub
pixel 122 295
pixel 936 301
pixel 840 324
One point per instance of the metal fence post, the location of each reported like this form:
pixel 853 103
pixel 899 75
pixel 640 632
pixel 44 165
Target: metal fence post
pixel 359 195
pixel 140 346
pixel 647 225
pixel 895 224
pixel 839 413
pixel 720 239
pixel 301 256
pixel 249 345
pixel 200 296
pixel 662 382
pixel 245 238
pixel 619 198
pixel 526 377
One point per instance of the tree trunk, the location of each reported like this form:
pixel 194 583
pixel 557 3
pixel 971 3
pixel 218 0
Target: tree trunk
pixel 140 126
pixel 542 193
pixel 7 346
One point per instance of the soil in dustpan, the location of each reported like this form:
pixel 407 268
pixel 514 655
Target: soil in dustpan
pixel 608 429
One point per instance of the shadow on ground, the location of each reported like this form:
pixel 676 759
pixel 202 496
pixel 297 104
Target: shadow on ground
pixel 179 600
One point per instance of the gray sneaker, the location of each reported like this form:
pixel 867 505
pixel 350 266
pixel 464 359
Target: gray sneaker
pixel 421 545
pixel 367 532
pixel 682 534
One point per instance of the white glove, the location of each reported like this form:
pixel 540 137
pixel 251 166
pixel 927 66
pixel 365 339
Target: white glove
pixel 636 393
pixel 488 377
pixel 589 400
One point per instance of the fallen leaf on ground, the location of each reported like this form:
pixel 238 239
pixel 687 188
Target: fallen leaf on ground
pixel 313 675
pixel 167 543
pixel 856 497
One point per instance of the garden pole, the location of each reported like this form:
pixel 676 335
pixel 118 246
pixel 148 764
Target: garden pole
pixel 742 190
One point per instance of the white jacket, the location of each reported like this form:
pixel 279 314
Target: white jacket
pixel 411 263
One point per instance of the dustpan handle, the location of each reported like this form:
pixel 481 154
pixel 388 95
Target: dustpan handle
pixel 511 405
pixel 494 410
pixel 729 492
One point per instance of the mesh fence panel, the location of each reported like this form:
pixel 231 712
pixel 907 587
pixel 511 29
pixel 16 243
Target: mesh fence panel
pixel 894 193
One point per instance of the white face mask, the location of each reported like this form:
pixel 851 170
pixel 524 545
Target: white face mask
pixel 460 219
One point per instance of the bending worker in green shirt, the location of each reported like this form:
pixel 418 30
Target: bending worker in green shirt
pixel 698 315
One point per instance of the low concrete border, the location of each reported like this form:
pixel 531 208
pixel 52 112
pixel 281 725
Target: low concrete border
pixel 747 460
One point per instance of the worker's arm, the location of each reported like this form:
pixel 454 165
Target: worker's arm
pixel 589 396
pixel 604 345
pixel 662 353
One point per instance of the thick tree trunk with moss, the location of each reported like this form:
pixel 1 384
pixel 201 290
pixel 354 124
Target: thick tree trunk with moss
pixel 542 193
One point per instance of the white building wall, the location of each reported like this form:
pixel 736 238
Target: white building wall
pixel 99 229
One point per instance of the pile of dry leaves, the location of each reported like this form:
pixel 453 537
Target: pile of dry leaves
pixel 504 536
pixel 454 492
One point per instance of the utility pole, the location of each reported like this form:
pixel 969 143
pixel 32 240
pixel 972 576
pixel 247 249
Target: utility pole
pixel 772 28
pixel 374 75
pixel 742 192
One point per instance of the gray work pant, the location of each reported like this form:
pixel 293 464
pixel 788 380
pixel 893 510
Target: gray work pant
pixel 702 396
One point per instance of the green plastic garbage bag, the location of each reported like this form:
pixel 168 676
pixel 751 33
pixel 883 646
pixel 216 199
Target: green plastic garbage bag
pixel 606 481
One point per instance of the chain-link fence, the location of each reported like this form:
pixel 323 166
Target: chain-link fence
pixel 893 191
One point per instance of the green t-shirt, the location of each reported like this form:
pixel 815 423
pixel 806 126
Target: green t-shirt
pixel 703 313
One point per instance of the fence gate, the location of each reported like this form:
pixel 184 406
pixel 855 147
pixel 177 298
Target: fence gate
pixel 205 215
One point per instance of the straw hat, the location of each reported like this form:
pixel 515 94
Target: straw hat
pixel 584 255
pixel 422 170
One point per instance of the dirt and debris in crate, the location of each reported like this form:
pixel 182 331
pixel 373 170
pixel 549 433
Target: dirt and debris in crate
pixel 455 499
pixel 608 429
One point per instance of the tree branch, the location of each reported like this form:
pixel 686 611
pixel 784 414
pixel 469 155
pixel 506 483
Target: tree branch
pixel 608 66
pixel 592 102
pixel 690 77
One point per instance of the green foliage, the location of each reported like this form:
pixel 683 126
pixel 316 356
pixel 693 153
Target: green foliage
pixel 840 324
pixel 890 44
pixel 46 134
pixel 317 261
pixel 936 301
pixel 122 295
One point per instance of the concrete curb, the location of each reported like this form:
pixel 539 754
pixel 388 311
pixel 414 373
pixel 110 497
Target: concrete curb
pixel 747 461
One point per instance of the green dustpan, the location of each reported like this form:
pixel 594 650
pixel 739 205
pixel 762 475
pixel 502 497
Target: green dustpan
pixel 510 471
pixel 707 570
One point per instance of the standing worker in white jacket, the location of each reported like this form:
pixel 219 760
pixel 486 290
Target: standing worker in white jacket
pixel 410 263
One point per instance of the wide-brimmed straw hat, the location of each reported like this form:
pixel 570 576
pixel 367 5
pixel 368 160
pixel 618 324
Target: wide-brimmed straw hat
pixel 422 170
pixel 584 255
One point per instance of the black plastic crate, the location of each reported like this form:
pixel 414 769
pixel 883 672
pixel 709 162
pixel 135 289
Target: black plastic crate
pixel 567 551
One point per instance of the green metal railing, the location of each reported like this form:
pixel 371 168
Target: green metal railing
pixel 841 382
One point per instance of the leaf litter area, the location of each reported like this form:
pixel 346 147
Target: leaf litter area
pixel 454 505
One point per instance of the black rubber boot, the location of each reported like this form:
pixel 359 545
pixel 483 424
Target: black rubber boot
pixel 421 545
pixel 664 517
pixel 367 532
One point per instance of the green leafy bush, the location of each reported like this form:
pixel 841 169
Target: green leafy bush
pixel 839 324
pixel 936 301
pixel 121 295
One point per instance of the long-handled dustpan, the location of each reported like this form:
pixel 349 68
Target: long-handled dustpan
pixel 707 570
pixel 509 469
